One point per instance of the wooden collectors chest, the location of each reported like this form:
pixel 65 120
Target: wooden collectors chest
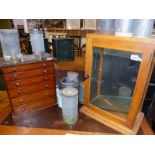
pixel 30 86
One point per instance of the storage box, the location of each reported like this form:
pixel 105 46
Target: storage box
pixel 63 49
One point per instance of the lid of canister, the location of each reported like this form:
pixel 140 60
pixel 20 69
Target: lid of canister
pixel 69 91
pixel 70 73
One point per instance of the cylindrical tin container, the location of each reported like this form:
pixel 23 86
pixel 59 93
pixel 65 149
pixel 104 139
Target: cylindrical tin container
pixel 10 43
pixel 143 27
pixel 65 83
pixel 70 105
pixel 106 25
pixel 124 27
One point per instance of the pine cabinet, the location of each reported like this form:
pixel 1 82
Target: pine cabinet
pixel 118 70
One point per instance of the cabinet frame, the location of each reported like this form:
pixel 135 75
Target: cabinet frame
pixel 135 45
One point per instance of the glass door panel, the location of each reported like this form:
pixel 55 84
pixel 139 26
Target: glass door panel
pixel 113 78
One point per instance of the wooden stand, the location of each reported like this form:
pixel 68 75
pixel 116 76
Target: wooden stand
pixel 113 124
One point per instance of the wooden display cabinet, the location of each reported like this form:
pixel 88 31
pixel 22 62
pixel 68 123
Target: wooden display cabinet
pixel 118 70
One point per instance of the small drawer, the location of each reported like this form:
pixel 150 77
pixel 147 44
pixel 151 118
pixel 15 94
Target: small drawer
pixel 34 106
pixel 26 99
pixel 29 66
pixel 29 81
pixel 27 74
pixel 31 89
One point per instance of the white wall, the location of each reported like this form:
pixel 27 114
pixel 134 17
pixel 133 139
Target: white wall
pixel 21 22
pixel 18 22
pixel 26 26
pixel 90 24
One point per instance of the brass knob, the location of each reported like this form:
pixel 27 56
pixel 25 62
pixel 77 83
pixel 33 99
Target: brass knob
pixel 23 109
pixel 46 86
pixel 18 92
pixel 45 71
pixel 21 100
pixel 45 79
pixel 47 93
pixel 86 76
pixel 14 69
pixel 15 75
pixel 44 64
pixel 17 84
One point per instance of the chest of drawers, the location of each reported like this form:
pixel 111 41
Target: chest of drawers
pixel 30 86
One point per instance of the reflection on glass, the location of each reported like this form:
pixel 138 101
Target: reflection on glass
pixel 114 74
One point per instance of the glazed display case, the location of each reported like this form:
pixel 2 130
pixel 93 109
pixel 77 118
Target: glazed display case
pixel 117 73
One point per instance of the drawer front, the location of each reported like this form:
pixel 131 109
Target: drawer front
pixel 25 67
pixel 31 89
pixel 29 81
pixel 27 74
pixel 34 106
pixel 26 99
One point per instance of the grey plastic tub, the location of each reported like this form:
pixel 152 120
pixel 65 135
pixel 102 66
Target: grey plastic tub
pixel 124 27
pixel 143 27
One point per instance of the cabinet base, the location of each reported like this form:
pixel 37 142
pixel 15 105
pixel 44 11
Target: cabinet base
pixel 15 117
pixel 113 124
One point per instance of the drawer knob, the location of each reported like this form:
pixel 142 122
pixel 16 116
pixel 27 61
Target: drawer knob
pixel 18 92
pixel 21 100
pixel 44 64
pixel 15 75
pixel 46 86
pixel 22 109
pixel 14 69
pixel 17 84
pixel 45 71
pixel 45 78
